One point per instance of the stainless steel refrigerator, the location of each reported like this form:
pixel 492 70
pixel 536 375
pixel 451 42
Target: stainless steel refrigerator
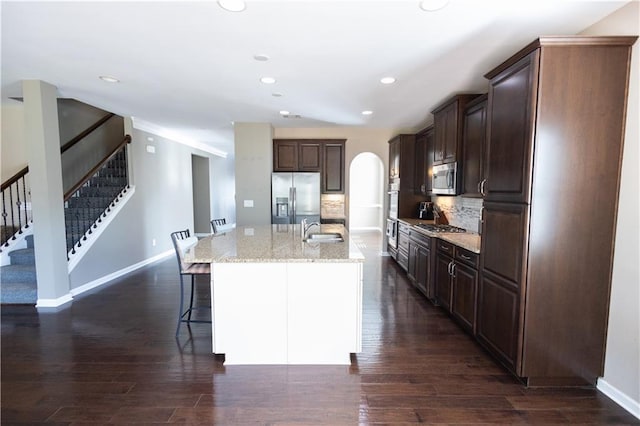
pixel 295 196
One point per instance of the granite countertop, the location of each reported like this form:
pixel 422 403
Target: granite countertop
pixel 467 240
pixel 272 243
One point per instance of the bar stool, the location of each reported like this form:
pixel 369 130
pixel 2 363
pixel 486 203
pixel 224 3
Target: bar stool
pixel 182 241
pixel 216 224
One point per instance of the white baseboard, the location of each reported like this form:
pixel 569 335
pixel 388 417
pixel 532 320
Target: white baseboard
pixel 619 397
pixel 54 303
pixel 102 280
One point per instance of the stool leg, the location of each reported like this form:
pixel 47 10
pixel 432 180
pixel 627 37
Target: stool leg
pixel 191 301
pixel 180 313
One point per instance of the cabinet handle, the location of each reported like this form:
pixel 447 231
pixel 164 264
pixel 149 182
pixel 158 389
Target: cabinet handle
pixel 465 257
pixel 449 267
pixel 445 248
pixel 482 214
pixel 453 269
pixel 482 184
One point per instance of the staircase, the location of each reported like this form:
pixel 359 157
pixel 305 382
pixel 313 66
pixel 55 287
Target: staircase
pixel 19 285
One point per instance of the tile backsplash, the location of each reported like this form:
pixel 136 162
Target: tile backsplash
pixel 332 206
pixel 461 211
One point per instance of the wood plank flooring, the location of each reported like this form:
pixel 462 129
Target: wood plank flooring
pixel 111 358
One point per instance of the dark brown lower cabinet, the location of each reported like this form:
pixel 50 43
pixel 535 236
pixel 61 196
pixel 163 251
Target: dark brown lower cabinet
pixel 498 319
pixel 463 299
pixel 443 279
pixel 420 263
pixel 403 245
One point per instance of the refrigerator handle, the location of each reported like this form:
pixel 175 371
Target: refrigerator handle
pixel 293 204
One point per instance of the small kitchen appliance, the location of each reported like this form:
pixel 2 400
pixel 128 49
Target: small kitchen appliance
pixel 425 210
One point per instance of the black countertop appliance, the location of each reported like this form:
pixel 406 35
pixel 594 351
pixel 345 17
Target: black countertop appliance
pixel 425 210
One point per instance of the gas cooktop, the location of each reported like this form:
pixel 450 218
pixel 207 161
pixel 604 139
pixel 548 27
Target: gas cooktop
pixel 440 228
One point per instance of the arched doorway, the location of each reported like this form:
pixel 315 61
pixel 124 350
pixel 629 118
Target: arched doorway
pixel 366 195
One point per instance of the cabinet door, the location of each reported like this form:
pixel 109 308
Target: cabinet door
pixel 309 156
pixel 473 146
pixel 420 177
pixel 424 161
pixel 285 156
pixel 394 158
pixel 333 162
pixel 440 135
pixel 450 146
pixel 464 289
pixel 504 241
pixel 411 268
pixel 443 281
pixel 422 269
pixel 498 320
pixel 510 117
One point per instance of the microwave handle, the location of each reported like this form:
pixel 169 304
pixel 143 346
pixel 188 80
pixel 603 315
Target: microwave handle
pixel 450 178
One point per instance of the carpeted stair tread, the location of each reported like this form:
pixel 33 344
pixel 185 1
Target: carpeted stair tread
pixel 18 274
pixel 22 256
pixel 18 293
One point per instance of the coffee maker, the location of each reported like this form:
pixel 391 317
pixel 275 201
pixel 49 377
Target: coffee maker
pixel 425 210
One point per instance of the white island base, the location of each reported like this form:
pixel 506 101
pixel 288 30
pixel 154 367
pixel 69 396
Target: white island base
pixel 286 313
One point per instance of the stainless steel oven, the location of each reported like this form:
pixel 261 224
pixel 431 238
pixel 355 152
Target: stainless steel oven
pixel 393 204
pixel 392 233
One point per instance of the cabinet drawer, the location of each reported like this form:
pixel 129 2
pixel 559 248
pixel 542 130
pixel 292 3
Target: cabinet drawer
pixel 420 238
pixel 403 227
pixel 466 256
pixel 403 241
pixel 445 247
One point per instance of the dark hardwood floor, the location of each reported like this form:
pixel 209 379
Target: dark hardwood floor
pixel 111 358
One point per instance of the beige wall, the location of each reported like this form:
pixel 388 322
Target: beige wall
pixel 253 165
pixel 14 149
pixel 622 362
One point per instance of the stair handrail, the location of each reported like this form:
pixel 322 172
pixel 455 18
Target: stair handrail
pixel 90 173
pixel 85 133
pixel 13 179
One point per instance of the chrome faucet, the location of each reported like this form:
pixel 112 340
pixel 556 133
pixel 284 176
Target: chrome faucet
pixel 304 227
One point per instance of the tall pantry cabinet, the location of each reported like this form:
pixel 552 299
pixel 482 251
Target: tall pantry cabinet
pixel 555 127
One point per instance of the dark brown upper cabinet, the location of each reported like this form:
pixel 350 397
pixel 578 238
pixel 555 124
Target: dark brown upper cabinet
pixel 424 161
pixel 333 167
pixel 297 155
pixel 312 155
pixel 473 147
pixel 448 126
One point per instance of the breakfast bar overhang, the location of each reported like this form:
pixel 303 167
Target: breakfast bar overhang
pixel 277 299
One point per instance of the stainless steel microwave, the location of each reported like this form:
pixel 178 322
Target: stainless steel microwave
pixel 444 179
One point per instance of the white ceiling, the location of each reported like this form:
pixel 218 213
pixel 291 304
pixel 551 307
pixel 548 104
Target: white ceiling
pixel 188 68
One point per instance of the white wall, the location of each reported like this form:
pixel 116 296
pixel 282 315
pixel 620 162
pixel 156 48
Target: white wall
pixel 622 362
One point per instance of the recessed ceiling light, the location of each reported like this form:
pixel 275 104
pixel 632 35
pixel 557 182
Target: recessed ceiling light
pixel 268 80
pixel 276 95
pixel 261 57
pixel 387 80
pixel 284 112
pixel 109 79
pixel 232 5
pixel 433 5
pixel 367 112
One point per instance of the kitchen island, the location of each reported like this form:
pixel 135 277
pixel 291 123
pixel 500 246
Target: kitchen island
pixel 278 300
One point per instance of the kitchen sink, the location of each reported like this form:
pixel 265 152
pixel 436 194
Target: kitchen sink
pixel 324 237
